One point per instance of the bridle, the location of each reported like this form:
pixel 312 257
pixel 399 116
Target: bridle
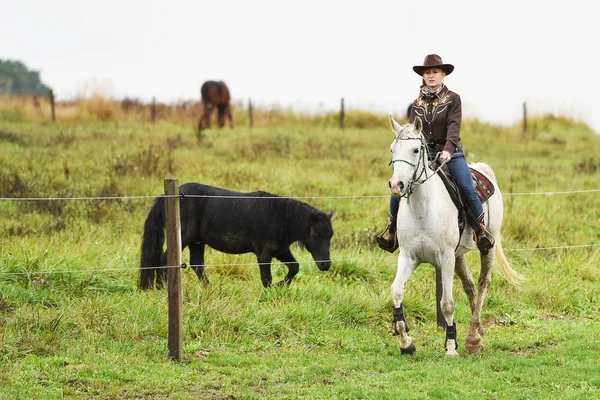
pixel 419 167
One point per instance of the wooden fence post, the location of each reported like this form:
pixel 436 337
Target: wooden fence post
pixel 175 289
pixel 342 116
pixel 52 105
pixel 153 110
pixel 524 118
pixel 250 113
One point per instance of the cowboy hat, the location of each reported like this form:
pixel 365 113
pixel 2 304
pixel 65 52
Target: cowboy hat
pixel 433 61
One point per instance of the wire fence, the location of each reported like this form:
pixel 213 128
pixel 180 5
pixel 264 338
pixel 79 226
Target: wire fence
pixel 278 197
pixel 252 264
pixel 262 197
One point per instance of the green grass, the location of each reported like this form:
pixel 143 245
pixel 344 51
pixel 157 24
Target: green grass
pixel 74 325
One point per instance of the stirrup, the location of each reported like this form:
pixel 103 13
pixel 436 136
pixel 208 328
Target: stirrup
pixel 384 244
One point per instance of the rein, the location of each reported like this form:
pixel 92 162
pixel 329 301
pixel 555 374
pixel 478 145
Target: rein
pixel 416 180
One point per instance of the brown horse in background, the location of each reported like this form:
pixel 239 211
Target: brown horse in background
pixel 215 95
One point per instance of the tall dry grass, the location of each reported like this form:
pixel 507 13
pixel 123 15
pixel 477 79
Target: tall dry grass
pixel 95 102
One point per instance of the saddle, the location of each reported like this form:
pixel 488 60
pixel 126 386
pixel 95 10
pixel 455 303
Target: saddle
pixel 483 186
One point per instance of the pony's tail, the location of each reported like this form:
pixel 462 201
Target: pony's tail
pixel 151 272
pixel 501 263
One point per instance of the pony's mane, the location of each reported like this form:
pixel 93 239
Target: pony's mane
pixel 297 213
pixel 295 216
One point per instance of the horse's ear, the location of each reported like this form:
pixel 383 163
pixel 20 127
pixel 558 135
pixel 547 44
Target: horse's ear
pixel 329 214
pixel 394 125
pixel 418 124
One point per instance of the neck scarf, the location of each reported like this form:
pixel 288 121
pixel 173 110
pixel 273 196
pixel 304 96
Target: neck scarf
pixel 430 93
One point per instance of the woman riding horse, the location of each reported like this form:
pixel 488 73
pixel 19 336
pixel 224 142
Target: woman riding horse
pixel 440 110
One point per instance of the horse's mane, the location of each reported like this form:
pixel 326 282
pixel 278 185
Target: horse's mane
pixel 297 215
pixel 294 218
pixel 408 131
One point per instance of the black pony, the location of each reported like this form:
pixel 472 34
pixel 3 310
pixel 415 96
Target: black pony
pixel 215 95
pixel 236 223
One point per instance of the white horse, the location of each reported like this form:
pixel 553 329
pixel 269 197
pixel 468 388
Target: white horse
pixel 428 232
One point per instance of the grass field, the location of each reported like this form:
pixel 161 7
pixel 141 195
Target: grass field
pixel 74 325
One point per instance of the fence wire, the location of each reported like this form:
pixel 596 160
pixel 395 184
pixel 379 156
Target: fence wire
pixel 257 197
pixel 262 197
pixel 274 264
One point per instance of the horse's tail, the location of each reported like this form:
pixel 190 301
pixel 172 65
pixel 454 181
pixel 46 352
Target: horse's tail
pixel 501 263
pixel 152 247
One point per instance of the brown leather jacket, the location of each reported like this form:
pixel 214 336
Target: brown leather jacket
pixel 441 115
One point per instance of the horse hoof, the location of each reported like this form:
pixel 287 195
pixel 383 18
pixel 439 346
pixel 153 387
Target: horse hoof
pixel 451 354
pixel 410 350
pixel 474 349
pixel 450 348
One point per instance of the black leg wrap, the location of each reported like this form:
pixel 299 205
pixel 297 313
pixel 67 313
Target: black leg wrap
pixel 451 334
pixel 399 316
pixel 411 350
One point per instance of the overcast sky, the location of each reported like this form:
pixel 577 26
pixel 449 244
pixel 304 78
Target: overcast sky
pixel 308 54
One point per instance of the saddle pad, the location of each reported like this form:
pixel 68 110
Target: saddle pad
pixel 484 187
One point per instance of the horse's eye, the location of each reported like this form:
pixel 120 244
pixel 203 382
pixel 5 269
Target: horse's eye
pixel 416 151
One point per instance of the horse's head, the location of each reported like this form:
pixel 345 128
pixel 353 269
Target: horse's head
pixel 408 156
pixel 319 239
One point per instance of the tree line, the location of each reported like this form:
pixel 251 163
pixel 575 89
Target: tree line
pixel 16 78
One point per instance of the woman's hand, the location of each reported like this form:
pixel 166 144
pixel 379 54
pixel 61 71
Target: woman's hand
pixel 445 156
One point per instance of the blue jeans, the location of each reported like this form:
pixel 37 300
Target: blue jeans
pixel 459 170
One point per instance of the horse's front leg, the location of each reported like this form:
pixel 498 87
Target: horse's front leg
pixel 197 261
pixel 208 114
pixel 288 259
pixel 406 267
pixel 220 116
pixel 264 263
pixel 447 261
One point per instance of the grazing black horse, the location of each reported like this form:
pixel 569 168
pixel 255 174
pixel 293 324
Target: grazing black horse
pixel 215 95
pixel 231 222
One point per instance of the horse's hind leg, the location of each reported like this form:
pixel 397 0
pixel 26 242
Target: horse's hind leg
pixel 475 330
pixel 405 269
pixel 474 343
pixel 161 271
pixel 466 277
pixel 197 261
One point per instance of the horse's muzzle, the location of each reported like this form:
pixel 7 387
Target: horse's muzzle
pixel 396 187
pixel 324 265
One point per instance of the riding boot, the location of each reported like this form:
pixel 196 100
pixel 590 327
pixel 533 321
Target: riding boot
pixel 390 241
pixel 484 239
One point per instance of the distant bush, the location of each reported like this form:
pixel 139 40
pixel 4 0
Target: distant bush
pixel 16 78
